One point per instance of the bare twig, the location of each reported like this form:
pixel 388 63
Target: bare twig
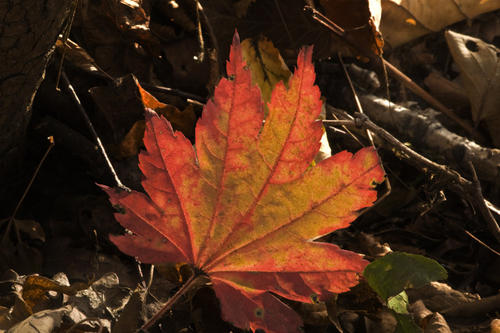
pixel 12 220
pixel 354 95
pixel 417 90
pixel 481 242
pixel 282 18
pixel 192 98
pixel 65 37
pixel 396 73
pixel 472 309
pixel 368 133
pixel 456 182
pixel 190 283
pixel 481 205
pixel 201 41
pixel 92 130
pixel 214 56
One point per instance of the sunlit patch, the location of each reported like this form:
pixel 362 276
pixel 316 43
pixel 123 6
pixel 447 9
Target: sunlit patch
pixel 259 313
pixel 411 21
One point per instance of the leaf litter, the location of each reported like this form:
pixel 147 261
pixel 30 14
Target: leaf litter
pixel 419 222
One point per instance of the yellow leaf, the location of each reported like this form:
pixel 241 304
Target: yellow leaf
pixel 266 65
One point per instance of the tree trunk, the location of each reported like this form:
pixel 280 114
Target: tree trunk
pixel 28 32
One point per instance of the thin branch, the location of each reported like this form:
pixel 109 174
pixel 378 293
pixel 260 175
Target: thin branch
pixel 201 41
pixel 190 283
pixel 396 73
pixel 192 98
pixel 481 242
pixel 354 95
pixel 481 205
pixel 457 183
pixel 26 190
pixel 92 130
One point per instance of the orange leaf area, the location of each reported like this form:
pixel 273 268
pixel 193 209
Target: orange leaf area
pixel 245 205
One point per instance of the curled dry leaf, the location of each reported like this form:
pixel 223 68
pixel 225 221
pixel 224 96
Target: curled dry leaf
pixel 360 19
pixel 244 207
pixel 403 21
pixel 479 65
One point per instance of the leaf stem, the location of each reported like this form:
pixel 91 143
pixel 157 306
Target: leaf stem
pixel 192 281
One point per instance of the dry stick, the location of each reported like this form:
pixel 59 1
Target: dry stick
pixel 26 190
pixel 481 205
pixel 458 183
pixel 192 281
pixel 214 56
pixel 92 130
pixel 282 18
pixel 368 133
pixel 201 41
pixel 417 90
pixel 191 98
pixel 481 242
pixel 471 309
pixel 65 37
pixel 405 80
pixel 354 95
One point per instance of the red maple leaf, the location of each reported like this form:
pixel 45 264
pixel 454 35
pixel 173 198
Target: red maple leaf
pixel 245 205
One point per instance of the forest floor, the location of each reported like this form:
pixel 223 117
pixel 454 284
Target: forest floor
pixel 61 230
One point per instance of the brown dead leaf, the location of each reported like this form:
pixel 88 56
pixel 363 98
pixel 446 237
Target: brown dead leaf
pixel 116 34
pixel 132 142
pixel 31 228
pixel 404 21
pixel 480 68
pixel 78 57
pixel 42 322
pixel 284 22
pixel 450 93
pixel 360 19
pixel 123 105
pixel 288 26
pixel 183 121
pixel 126 102
pixel 35 289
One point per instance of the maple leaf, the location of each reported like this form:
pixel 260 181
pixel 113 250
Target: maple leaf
pixel 245 205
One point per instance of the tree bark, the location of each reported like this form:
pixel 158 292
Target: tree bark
pixel 28 32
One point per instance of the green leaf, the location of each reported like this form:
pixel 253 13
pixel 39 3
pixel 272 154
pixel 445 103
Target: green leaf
pixel 399 303
pixel 397 271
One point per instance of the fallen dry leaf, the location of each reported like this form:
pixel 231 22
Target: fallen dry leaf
pixel 480 68
pixel 246 205
pixel 289 26
pixel 181 120
pixel 360 19
pixel 405 20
